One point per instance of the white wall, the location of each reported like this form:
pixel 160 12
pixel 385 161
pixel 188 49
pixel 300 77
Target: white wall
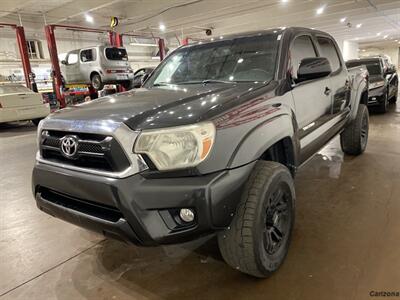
pixel 350 50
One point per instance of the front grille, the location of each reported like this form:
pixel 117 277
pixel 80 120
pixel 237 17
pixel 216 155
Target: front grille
pixel 97 210
pixel 94 151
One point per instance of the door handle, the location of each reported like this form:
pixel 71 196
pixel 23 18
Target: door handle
pixel 327 91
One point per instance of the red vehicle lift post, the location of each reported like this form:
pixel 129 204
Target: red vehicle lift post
pixel 23 52
pixel 52 46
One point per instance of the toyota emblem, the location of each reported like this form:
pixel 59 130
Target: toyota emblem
pixel 69 146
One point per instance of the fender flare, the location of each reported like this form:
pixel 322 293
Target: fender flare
pixel 359 87
pixel 262 137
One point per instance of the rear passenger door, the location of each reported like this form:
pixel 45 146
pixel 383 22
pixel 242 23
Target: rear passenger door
pixel 312 103
pixel 340 86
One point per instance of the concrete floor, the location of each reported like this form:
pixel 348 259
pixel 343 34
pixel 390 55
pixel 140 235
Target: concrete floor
pixel 346 240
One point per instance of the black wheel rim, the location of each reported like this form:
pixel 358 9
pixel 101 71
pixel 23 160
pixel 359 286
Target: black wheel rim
pixel 278 220
pixel 364 131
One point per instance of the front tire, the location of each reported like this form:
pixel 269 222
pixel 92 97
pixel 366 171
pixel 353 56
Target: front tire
pixel 257 241
pixel 394 98
pixel 128 85
pixel 384 106
pixel 354 138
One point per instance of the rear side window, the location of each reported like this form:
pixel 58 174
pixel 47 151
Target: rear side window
pixel 329 51
pixel 116 54
pixel 301 48
pixel 88 55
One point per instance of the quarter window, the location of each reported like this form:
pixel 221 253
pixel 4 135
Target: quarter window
pixel 329 51
pixel 72 58
pixel 301 48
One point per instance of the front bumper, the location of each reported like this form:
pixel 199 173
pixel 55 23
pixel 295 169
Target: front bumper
pixel 137 209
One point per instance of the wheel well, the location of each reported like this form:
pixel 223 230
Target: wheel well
pixel 282 152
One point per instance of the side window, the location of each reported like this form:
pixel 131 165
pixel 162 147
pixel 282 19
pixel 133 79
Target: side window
pixel 87 55
pixel 72 58
pixel 329 51
pixel 301 48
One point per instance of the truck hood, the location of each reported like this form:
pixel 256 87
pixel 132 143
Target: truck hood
pixel 157 107
pixel 375 78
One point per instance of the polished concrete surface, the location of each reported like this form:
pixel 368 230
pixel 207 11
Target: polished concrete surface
pixel 346 239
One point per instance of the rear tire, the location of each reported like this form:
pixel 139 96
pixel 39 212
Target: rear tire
pixel 97 83
pixel 354 138
pixel 257 241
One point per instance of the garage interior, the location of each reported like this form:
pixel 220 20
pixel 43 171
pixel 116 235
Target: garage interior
pixel 347 231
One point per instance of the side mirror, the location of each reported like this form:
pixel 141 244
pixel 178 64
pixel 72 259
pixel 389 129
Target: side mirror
pixel 144 78
pixel 313 68
pixel 64 62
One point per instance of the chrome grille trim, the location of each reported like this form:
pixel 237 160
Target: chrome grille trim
pixel 122 134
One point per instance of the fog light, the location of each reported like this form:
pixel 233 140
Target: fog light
pixel 186 214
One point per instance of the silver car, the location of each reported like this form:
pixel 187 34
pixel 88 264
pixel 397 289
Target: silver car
pixel 97 66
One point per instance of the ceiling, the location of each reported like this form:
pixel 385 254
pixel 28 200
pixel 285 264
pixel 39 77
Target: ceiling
pixel 379 19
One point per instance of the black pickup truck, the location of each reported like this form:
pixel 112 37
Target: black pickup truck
pixel 383 81
pixel 210 144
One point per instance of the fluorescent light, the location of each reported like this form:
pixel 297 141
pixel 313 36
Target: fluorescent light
pixel 162 27
pixel 379 33
pixel 143 44
pixel 89 18
pixel 320 10
pixel 358 25
pixel 221 37
pixel 342 20
pixel 385 36
pixel 284 1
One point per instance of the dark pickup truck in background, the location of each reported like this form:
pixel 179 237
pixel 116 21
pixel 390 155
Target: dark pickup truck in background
pixel 209 144
pixel 383 81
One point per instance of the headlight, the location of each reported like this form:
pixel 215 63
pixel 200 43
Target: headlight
pixel 177 147
pixel 374 85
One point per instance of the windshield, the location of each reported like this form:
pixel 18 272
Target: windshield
pixel 238 60
pixel 116 54
pixel 373 67
pixel 13 89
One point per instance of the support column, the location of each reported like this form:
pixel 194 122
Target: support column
pixel 26 65
pixel 56 72
pixel 161 46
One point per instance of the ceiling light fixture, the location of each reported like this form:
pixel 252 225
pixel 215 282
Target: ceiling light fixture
pixel 359 25
pixel 342 20
pixel 89 18
pixel 385 36
pixel 162 27
pixel 320 10
pixel 379 33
